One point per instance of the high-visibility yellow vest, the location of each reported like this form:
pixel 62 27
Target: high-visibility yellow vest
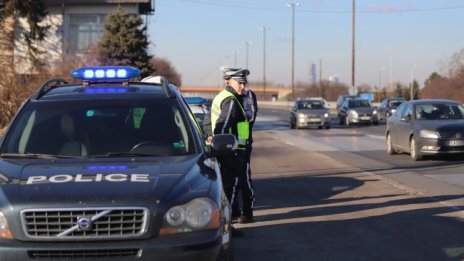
pixel 243 127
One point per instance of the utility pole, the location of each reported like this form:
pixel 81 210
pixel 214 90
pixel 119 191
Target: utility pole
pixel 353 83
pixel 320 75
pixel 264 28
pixel 293 5
pixel 412 82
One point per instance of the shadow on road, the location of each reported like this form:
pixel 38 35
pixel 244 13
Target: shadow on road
pixel 306 218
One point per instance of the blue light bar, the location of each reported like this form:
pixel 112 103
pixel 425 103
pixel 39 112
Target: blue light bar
pixel 105 73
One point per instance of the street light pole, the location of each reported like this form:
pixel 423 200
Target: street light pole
pixel 293 5
pixel 380 77
pixel 247 43
pixel 264 28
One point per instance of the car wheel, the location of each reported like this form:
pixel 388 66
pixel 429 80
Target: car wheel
pixel 292 125
pixel 390 149
pixel 414 150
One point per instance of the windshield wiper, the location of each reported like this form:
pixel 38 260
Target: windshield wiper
pixel 28 156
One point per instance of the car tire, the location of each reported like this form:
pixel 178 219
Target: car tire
pixel 390 149
pixel 414 151
pixel 292 125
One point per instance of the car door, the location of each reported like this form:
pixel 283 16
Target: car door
pixel 404 126
pixel 392 125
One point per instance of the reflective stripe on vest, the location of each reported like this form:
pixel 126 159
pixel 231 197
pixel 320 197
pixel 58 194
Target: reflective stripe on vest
pixel 243 127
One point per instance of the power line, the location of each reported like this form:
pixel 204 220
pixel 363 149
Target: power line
pixel 379 10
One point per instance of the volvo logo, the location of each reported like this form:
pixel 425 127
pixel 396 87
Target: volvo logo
pixel 458 135
pixel 84 223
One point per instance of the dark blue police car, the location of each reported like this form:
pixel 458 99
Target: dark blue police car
pixel 111 169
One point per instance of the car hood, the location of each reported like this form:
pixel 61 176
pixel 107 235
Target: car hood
pixel 440 125
pixel 313 111
pixel 363 110
pixel 62 183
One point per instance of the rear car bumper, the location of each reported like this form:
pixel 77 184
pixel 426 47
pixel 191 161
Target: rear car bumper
pixel 205 245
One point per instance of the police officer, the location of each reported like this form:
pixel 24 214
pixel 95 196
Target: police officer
pixel 228 117
pixel 250 105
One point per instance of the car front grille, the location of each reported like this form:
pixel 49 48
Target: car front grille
pixel 84 254
pixel 452 135
pixel 66 224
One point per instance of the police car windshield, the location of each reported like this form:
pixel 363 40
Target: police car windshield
pixel 100 128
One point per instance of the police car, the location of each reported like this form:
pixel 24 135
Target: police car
pixel 111 169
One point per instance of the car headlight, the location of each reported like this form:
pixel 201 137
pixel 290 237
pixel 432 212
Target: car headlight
pixel 198 214
pixel 326 115
pixel 354 114
pixel 374 112
pixel 301 115
pixel 5 231
pixel 429 134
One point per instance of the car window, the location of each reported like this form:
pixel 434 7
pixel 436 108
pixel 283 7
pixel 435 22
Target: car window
pixel 312 105
pixel 358 104
pixel 84 128
pixel 439 111
pixel 407 111
pixel 399 110
pixel 394 103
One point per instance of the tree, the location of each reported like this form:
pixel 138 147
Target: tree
pixel 33 32
pixel 163 67
pixel 456 64
pixel 124 42
pixel 434 76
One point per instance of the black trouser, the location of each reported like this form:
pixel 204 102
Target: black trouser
pixel 246 185
pixel 233 169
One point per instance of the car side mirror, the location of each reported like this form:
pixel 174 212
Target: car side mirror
pixel 223 144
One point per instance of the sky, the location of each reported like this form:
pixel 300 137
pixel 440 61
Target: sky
pixel 395 40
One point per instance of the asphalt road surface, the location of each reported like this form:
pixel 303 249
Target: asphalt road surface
pixel 336 195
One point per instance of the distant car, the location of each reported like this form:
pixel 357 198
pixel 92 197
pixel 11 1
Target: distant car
pixel 426 127
pixel 199 111
pixel 199 101
pixel 199 106
pixel 310 113
pixel 342 99
pixel 357 111
pixel 388 106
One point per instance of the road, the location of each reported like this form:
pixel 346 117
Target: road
pixel 336 195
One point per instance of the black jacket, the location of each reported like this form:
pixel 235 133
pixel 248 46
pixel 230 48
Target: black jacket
pixel 231 114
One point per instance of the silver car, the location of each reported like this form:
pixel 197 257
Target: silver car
pixel 357 111
pixel 309 112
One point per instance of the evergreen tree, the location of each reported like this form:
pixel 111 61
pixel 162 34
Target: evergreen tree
pixel 124 42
